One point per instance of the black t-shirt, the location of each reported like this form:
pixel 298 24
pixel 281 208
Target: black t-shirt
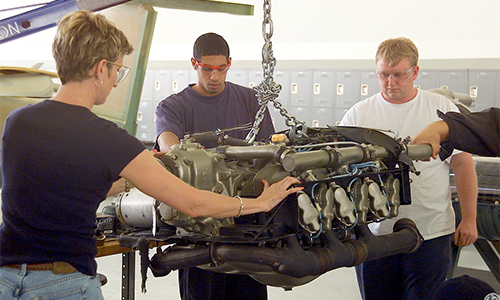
pixel 476 133
pixel 58 163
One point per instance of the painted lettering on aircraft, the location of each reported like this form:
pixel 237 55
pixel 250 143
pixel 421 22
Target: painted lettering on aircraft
pixel 9 30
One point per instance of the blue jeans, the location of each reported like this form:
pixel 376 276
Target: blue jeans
pixel 20 284
pixel 414 276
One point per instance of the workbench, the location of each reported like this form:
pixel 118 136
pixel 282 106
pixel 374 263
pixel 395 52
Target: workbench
pixel 111 246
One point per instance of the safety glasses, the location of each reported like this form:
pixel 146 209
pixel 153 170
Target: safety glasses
pixel 210 70
pixel 397 75
pixel 121 73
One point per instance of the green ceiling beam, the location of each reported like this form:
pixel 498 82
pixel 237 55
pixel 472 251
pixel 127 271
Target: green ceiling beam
pixel 203 5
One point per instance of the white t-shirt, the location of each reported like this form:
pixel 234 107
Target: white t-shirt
pixel 431 208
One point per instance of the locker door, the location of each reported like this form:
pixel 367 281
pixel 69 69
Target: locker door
pixel 277 118
pixel 369 84
pixel 497 96
pixel 321 117
pixel 482 88
pixel 145 122
pixel 302 114
pixel 301 88
pixel 427 80
pixel 180 79
pixel 162 84
pixel 238 76
pixel 255 77
pixel 323 89
pixel 454 80
pixel 282 78
pixel 147 93
pixel 339 114
pixel 347 88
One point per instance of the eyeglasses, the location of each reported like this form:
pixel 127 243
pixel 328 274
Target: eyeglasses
pixel 210 70
pixel 121 73
pixel 398 75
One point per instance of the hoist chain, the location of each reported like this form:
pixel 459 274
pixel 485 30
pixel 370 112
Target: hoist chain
pixel 268 90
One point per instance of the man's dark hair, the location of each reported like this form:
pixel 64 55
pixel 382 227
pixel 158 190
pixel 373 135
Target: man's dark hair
pixel 210 44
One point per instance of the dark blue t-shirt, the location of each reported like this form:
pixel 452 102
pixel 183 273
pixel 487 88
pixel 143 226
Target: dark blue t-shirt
pixel 58 163
pixel 190 112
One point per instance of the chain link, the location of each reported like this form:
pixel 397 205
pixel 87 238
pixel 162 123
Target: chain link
pixel 268 90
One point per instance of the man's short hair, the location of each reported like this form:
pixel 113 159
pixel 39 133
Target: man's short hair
pixel 392 51
pixel 210 44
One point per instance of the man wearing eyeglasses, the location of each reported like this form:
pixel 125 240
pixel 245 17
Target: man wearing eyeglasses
pixel 405 110
pixel 211 104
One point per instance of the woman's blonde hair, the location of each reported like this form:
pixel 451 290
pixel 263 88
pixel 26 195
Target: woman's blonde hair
pixel 392 51
pixel 83 38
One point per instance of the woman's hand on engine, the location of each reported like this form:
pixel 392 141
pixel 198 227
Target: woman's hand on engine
pixel 275 193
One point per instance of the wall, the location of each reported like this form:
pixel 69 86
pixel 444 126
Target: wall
pixel 318 37
pixel 314 30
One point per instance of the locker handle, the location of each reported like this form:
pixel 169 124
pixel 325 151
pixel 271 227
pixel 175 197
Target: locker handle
pixel 139 116
pixel 340 89
pixel 175 86
pixel 473 91
pixel 364 90
pixel 157 85
pixel 317 89
pixel 295 88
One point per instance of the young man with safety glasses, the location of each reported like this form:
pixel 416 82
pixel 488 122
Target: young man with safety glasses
pixel 206 106
pixel 404 110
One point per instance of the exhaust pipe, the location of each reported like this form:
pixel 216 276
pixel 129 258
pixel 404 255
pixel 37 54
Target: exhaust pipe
pixel 292 261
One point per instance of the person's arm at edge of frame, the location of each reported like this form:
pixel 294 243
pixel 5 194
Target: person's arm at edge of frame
pixel 145 173
pixel 466 183
pixel 166 140
pixel 474 132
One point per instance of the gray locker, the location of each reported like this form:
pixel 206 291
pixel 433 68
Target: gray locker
pixel 238 76
pixel 145 121
pixel 324 89
pixel 347 88
pixel 147 93
pixel 145 137
pixel 277 118
pixel 180 79
pixel 339 114
pixel 321 117
pixel 497 95
pixel 301 83
pixel 282 77
pixel 482 88
pixel 454 80
pixel 427 79
pixel 162 84
pixel 254 78
pixel 302 114
pixel 369 84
